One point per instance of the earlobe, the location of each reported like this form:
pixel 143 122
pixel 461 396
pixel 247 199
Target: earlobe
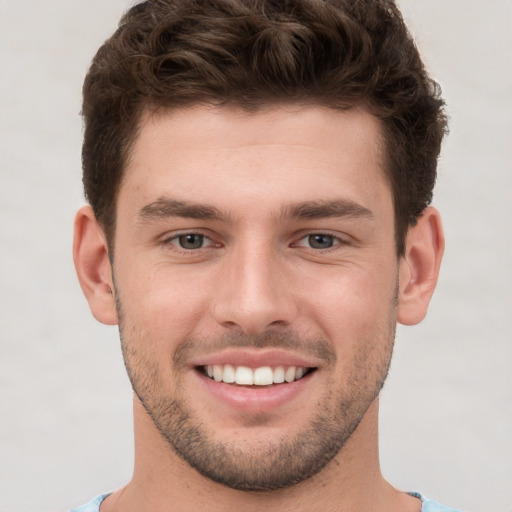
pixel 419 268
pixel 90 254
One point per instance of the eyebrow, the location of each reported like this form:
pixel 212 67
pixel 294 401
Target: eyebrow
pixel 326 209
pixel 165 207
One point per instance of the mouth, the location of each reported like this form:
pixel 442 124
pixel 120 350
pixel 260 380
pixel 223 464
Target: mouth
pixel 248 381
pixel 261 376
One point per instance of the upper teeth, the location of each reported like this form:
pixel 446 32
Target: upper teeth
pixel 262 376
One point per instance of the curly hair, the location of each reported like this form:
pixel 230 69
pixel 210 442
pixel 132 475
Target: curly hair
pixel 255 53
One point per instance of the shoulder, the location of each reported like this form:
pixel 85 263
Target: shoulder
pixel 92 506
pixel 429 505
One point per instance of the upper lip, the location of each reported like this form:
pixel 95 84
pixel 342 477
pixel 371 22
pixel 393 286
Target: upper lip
pixel 256 358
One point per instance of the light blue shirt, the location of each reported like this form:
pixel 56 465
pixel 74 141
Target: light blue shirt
pixel 428 505
pixel 92 506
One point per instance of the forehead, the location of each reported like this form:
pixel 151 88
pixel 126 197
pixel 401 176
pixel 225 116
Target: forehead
pixel 293 152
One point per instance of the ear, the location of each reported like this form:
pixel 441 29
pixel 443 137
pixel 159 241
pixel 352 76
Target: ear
pixel 419 267
pixel 90 254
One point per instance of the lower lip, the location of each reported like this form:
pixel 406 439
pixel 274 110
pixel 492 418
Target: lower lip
pixel 255 398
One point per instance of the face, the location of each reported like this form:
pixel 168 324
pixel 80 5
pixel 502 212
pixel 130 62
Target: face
pixel 255 276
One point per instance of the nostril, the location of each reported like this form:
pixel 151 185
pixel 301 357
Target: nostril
pixel 279 323
pixel 232 326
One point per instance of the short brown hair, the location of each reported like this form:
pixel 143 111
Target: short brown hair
pixel 252 53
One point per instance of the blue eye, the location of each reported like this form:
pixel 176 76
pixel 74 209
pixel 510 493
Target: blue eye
pixel 321 241
pixel 190 241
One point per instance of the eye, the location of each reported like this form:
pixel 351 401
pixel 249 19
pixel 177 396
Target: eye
pixel 189 241
pixel 319 241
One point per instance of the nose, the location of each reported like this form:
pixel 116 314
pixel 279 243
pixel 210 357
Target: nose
pixel 255 292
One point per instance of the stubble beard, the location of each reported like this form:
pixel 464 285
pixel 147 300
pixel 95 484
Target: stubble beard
pixel 263 465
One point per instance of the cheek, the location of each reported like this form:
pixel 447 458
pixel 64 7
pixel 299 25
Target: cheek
pixel 163 307
pixel 355 306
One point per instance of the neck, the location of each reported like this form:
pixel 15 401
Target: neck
pixel 351 481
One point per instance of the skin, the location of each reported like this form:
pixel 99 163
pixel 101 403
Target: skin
pixel 253 179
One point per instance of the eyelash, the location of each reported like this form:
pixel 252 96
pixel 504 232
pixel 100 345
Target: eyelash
pixel 175 241
pixel 336 241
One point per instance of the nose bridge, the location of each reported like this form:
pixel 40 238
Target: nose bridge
pixel 253 293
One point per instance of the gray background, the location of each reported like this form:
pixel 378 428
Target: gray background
pixel 65 403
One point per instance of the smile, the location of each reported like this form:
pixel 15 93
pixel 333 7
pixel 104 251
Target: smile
pixel 261 376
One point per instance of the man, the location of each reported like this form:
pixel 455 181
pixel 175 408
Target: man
pixel 259 176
